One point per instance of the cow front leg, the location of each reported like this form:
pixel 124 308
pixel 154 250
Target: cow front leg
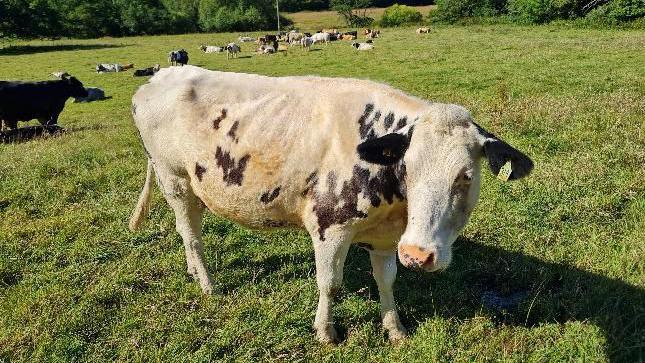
pixel 330 260
pixel 384 269
pixel 188 222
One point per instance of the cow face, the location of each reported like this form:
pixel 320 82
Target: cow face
pixel 442 163
pixel 76 88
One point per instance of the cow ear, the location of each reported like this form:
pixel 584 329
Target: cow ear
pixel 384 150
pixel 499 154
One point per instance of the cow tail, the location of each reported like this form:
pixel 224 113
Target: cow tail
pixel 143 205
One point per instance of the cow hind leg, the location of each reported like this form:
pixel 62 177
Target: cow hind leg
pixel 330 260
pixel 188 210
pixel 384 269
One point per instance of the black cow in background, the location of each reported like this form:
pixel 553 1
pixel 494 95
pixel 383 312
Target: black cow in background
pixel 177 57
pixel 44 101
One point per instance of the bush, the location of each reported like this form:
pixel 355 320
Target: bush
pixel 397 15
pixel 617 11
pixel 453 10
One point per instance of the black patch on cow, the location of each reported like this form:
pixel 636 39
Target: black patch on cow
pixel 364 125
pixel 384 150
pixel 219 119
pixel 199 171
pixel 310 182
pixel 410 132
pixel 365 245
pixel 331 208
pixel 388 120
pixel 401 123
pixel 268 197
pixel 233 170
pixel 231 132
pixel 134 109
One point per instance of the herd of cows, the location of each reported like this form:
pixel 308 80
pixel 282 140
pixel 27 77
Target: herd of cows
pixel 372 166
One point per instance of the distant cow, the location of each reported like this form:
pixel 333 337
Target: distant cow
pixel 93 94
pixel 363 46
pixel 178 57
pixel 423 30
pixel 306 42
pixel 294 37
pixel 150 71
pixel 348 37
pixel 44 101
pixel 371 166
pixel 245 39
pixel 232 50
pixel 211 49
pixel 321 38
pixel 112 67
pixel 371 34
pixel 60 74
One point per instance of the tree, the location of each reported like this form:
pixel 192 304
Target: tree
pixel 354 12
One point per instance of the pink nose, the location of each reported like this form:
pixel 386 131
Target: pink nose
pixel 417 257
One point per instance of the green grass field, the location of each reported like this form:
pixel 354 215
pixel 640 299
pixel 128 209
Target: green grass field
pixel 76 285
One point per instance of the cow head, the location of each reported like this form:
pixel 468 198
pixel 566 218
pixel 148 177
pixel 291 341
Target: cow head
pixel 442 153
pixel 75 88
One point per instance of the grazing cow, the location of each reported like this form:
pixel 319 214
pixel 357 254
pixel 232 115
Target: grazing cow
pixel 232 49
pixel 150 71
pixel 44 101
pixel 245 39
pixel 112 67
pixel 178 57
pixel 423 30
pixel 211 49
pixel 372 166
pixel 363 46
pixel 306 42
pixel 93 94
pixel 321 38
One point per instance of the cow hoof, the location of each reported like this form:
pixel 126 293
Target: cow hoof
pixel 327 335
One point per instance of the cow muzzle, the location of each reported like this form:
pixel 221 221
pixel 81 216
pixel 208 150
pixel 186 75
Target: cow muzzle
pixel 418 257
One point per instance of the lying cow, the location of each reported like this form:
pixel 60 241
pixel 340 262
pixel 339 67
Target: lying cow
pixel 423 30
pixel 363 46
pixel 150 71
pixel 211 49
pixel 112 67
pixel 372 166
pixel 44 101
pixel 178 57
pixel 93 94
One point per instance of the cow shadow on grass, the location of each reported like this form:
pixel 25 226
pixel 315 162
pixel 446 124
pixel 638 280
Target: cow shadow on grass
pixel 518 290
pixel 28 133
pixel 33 49
pixel 510 287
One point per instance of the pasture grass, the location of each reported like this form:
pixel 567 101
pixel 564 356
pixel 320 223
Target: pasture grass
pixel 76 285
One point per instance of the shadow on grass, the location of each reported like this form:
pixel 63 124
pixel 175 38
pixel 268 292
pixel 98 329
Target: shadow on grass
pixel 33 49
pixel 510 287
pixel 28 133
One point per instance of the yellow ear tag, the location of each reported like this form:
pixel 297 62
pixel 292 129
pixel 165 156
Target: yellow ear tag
pixel 505 172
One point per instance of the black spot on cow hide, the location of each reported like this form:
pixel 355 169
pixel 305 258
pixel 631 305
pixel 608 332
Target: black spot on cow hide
pixel 231 132
pixel 233 171
pixel 401 123
pixel 388 120
pixel 219 119
pixel 199 171
pixel 310 182
pixel 268 197
pixel 365 126
pixel 331 208
pixel 365 245
pixel 134 109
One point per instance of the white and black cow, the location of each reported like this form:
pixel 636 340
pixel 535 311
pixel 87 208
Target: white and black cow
pixel 350 161
pixel 44 101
